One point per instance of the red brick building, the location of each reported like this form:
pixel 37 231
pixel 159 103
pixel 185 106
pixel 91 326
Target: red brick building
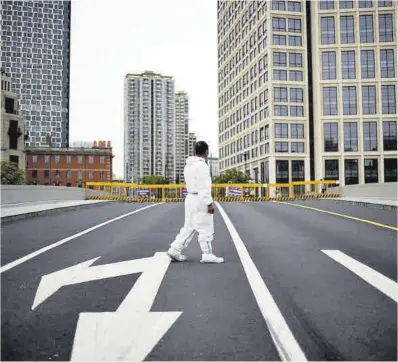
pixel 71 167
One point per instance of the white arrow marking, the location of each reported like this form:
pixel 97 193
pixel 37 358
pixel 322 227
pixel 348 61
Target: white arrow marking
pixel 132 331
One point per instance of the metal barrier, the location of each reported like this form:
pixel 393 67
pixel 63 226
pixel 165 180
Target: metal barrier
pixel 131 192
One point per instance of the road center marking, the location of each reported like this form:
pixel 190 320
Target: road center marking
pixel 286 344
pixel 386 285
pixel 341 215
pixel 69 238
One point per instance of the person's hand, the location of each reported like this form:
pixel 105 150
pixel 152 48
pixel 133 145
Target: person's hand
pixel 211 208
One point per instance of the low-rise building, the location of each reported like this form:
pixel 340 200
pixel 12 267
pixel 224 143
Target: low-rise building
pixel 12 125
pixel 72 167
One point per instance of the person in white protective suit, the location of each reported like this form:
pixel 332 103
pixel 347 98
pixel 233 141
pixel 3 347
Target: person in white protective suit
pixel 199 208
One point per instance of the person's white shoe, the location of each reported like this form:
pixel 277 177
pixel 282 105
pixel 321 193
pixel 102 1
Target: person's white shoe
pixel 176 255
pixel 211 258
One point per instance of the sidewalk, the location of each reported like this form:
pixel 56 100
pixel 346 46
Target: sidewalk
pixel 29 209
pixel 378 202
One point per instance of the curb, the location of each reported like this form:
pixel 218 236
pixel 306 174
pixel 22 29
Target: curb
pixel 55 211
pixel 368 204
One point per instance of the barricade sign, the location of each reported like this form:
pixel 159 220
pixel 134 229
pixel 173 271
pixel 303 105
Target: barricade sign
pixel 143 193
pixel 234 192
pixel 184 192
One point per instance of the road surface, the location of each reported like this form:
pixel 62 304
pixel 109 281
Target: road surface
pixel 314 280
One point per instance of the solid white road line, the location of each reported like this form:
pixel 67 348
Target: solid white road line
pixel 386 285
pixel 69 238
pixel 286 344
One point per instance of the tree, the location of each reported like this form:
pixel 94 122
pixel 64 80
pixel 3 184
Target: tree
pixel 233 175
pixel 11 174
pixel 153 180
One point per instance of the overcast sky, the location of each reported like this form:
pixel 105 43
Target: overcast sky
pixel 111 38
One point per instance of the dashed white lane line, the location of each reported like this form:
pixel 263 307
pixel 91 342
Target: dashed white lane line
pixel 286 344
pixel 69 238
pixel 386 285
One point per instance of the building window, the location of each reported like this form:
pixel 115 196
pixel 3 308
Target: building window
pixel 102 160
pixel 296 95
pixel 57 158
pixel 331 170
pixel 387 69
pixel 281 147
pixel 278 39
pixel 281 130
pixel 349 100
pixel 297 130
pixel 280 94
pixel 68 159
pixel 90 159
pixel 330 101
pixel 328 65
pixel 351 172
pixel 346 4
pixel 331 137
pixel 14 159
pixel 80 159
pixel 294 6
pixel 295 60
pixel 390 170
pixel 370 136
pixel 34 159
pixel 327 4
pixel 34 173
pixel 278 5
pixel 57 174
pixel 280 59
pixel 384 4
pixel 348 64
pixel 278 24
pixel 388 99
pixel 347 31
pixel 350 137
pixel 371 171
pixel 366 28
pixel 367 64
pixel 46 173
pixel 295 41
pixel 282 171
pixel 295 75
pixel 68 175
pixel 327 30
pixel 46 159
pixel 385 28
pixel 90 175
pixel 102 175
pixel 297 111
pixel 365 3
pixel 369 99
pixel 297 147
pixel 294 25
pixel 298 170
pixel 280 74
pixel 281 111
pixel 80 175
pixel 390 136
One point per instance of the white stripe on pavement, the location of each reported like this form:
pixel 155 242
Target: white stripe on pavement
pixel 69 238
pixel 386 285
pixel 286 344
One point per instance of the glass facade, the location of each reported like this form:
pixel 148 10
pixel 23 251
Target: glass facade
pixel 35 53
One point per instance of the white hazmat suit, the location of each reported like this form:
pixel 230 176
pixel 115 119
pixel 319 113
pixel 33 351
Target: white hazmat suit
pixel 197 218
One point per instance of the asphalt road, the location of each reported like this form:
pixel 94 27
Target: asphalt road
pixel 331 311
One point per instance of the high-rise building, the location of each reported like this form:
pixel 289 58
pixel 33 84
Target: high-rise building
pixel 263 96
pixel 192 139
pixel 214 166
pixel 35 52
pixel 149 126
pixel 354 57
pixel 181 137
pixel 307 89
pixel 12 138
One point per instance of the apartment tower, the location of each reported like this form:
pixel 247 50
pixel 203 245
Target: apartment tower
pixel 307 90
pixel 181 137
pixel 149 126
pixel 35 53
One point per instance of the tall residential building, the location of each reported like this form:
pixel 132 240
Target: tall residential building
pixel 263 89
pixel 191 142
pixel 214 166
pixel 354 56
pixel 35 52
pixel 149 126
pixel 181 119
pixel 307 89
pixel 12 140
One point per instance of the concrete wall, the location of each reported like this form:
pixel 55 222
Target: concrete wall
pixel 382 191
